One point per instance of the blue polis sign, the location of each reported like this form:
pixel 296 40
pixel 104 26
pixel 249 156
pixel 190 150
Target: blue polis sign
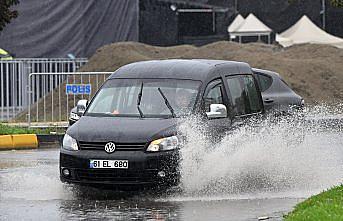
pixel 74 89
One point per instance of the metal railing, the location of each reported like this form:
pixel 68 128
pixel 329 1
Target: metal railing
pixel 54 105
pixel 14 75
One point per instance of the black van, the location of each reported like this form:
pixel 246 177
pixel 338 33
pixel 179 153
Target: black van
pixel 128 132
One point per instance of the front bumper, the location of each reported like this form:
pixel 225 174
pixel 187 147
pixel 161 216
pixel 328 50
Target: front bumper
pixel 143 168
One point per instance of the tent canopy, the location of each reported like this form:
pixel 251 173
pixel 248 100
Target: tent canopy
pixel 305 31
pixel 251 26
pixel 237 22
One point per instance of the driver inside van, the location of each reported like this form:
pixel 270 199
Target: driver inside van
pixel 182 101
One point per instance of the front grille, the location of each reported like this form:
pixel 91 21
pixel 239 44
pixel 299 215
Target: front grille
pixel 69 161
pixel 73 162
pixel 119 146
pixel 119 175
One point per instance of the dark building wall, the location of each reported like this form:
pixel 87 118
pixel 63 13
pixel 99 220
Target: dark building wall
pixel 334 21
pixel 158 24
pixel 280 14
pixel 223 21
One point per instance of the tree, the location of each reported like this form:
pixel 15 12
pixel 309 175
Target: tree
pixel 337 3
pixel 6 14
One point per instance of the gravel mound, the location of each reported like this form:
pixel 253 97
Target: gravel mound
pixel 314 71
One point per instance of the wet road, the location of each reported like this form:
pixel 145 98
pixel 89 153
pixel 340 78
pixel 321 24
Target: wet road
pixel 262 178
pixel 31 190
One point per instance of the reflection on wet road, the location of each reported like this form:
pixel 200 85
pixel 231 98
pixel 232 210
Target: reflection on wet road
pixel 30 188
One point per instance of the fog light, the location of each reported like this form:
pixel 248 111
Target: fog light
pixel 161 174
pixel 66 172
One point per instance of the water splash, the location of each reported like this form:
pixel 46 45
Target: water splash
pixel 283 154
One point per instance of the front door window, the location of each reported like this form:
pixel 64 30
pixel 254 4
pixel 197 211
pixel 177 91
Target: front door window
pixel 213 94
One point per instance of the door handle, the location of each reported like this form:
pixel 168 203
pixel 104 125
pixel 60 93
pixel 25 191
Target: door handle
pixel 268 100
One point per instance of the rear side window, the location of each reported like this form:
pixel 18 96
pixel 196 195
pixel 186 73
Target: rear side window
pixel 244 95
pixel 264 81
pixel 252 94
pixel 237 95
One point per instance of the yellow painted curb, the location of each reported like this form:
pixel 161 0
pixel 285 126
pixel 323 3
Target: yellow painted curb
pixel 6 142
pixel 18 141
pixel 25 141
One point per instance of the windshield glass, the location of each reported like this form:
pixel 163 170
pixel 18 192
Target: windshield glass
pixel 118 97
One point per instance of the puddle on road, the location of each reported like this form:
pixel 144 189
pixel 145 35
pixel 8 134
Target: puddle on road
pixel 247 168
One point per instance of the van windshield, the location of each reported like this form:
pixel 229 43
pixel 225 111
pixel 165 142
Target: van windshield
pixel 118 97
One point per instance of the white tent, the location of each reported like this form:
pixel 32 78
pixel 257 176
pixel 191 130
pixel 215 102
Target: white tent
pixel 236 23
pixel 305 31
pixel 251 26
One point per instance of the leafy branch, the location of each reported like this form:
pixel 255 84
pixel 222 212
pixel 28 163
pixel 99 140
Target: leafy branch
pixel 6 14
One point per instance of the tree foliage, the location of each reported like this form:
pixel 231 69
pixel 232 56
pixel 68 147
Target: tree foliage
pixel 6 14
pixel 337 3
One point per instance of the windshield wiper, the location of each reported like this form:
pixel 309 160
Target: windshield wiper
pixel 167 102
pixel 139 98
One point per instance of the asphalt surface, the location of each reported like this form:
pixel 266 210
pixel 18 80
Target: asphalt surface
pixel 30 189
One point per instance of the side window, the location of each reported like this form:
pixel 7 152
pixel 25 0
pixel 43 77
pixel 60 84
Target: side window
pixel 237 95
pixel 252 94
pixel 244 95
pixel 213 94
pixel 264 81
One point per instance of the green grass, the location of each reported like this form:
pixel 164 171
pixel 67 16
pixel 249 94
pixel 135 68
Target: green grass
pixel 5 130
pixel 325 206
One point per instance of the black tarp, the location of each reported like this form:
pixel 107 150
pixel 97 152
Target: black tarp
pixel 53 28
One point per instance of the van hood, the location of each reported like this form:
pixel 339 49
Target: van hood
pixel 121 129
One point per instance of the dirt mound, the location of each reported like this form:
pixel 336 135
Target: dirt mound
pixel 314 71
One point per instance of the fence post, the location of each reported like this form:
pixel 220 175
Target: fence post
pixel 29 105
pixel 19 90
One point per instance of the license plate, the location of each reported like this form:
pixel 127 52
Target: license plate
pixel 116 164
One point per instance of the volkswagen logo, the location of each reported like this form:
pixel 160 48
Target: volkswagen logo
pixel 110 147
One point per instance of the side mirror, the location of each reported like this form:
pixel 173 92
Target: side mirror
pixel 217 111
pixel 81 107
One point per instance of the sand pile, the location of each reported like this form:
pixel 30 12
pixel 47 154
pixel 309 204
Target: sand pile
pixel 313 71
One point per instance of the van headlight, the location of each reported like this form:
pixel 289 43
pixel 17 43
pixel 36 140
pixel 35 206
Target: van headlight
pixel 69 143
pixel 163 144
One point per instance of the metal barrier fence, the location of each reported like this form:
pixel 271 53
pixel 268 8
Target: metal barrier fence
pixel 14 75
pixel 54 105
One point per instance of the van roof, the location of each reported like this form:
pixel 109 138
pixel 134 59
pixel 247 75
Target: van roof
pixel 193 69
